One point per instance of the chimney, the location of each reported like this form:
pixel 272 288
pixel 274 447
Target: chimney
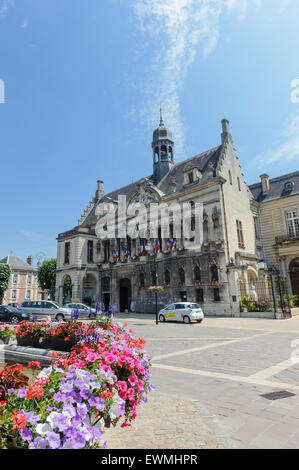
pixel 100 190
pixel 225 131
pixel 265 183
pixel 29 260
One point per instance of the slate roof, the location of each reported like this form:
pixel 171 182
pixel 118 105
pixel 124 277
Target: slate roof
pixel 277 188
pixel 201 161
pixel 17 264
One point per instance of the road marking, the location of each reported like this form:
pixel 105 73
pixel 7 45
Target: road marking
pixel 208 346
pixel 273 370
pixel 234 378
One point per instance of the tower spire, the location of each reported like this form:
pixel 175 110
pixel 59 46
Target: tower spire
pixel 161 118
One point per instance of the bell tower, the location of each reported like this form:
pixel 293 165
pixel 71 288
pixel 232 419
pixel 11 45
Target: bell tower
pixel 162 146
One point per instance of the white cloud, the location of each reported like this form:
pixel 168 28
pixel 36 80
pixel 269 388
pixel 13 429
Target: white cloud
pixel 4 6
pixel 286 148
pixel 24 25
pixel 180 29
pixel 30 235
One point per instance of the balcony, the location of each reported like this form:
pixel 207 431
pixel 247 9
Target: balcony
pixel 286 239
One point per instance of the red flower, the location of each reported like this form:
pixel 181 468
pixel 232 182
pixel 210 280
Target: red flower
pixel 34 364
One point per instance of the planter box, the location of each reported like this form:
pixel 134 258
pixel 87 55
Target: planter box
pixel 34 342
pixel 58 344
pixel 4 340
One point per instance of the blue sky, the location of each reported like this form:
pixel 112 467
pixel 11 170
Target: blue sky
pixel 84 80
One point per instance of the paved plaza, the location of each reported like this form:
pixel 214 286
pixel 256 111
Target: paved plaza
pixel 210 378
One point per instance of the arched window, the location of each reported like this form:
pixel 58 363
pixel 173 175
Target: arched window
pixel 167 277
pixel 153 278
pixel 214 273
pixel 156 154
pixel 163 152
pixel 205 231
pixel 182 275
pixel 197 274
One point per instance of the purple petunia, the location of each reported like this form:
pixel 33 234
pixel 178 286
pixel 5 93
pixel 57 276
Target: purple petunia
pixel 38 443
pixel 53 440
pixel 25 434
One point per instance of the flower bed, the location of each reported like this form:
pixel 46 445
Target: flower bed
pixel 61 336
pixel 105 376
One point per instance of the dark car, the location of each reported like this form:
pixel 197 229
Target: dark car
pixel 15 304
pixel 12 315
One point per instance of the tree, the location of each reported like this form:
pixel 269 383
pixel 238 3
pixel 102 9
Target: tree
pixel 5 273
pixel 46 276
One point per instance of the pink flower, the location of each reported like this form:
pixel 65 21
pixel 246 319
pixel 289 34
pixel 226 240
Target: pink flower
pixel 133 379
pixel 122 385
pixel 131 394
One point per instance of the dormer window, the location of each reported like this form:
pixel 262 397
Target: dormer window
pixel 191 174
pixel 289 186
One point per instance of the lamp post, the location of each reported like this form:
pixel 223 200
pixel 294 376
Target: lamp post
pixel 148 247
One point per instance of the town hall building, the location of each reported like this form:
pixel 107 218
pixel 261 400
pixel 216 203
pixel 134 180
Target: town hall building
pixel 120 270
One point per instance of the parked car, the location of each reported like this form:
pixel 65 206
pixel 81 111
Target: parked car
pixel 45 309
pixel 12 315
pixel 182 311
pixel 14 304
pixel 84 310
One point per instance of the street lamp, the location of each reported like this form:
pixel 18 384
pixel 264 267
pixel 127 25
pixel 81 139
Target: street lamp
pixel 148 248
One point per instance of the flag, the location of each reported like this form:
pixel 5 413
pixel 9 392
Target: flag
pixel 115 254
pixel 173 243
pixel 142 250
pixel 127 252
pixel 157 246
pixel 169 243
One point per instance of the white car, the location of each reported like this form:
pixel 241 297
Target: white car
pixel 182 311
pixel 84 310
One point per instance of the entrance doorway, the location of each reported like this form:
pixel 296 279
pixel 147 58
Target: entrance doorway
pixel 106 298
pixel 294 273
pixel 125 295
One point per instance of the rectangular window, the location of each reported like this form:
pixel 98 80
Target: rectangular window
pixel 199 295
pixel 257 228
pixel 14 294
pixel 28 294
pixel 67 252
pixel 190 177
pixel 29 279
pixel 90 251
pixel 216 295
pixel 15 278
pixel 292 224
pixel 106 251
pixel 240 234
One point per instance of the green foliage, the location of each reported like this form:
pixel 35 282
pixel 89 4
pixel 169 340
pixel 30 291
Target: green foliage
pixel 255 306
pixel 5 273
pixel 289 299
pixel 46 276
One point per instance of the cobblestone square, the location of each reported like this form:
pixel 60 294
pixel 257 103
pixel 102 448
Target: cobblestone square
pixel 209 379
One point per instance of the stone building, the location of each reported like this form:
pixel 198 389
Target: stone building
pixel 23 283
pixel 277 204
pixel 120 270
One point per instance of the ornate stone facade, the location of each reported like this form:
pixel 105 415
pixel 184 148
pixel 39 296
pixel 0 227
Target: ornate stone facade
pixel 209 276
